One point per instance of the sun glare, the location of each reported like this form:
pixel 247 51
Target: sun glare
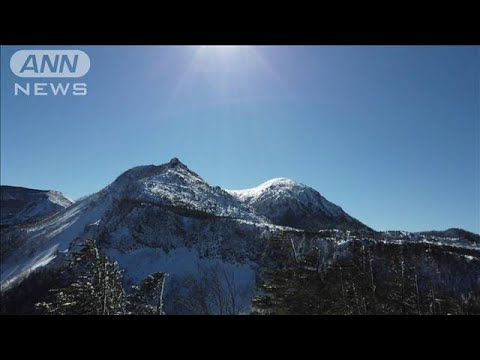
pixel 221 50
pixel 228 71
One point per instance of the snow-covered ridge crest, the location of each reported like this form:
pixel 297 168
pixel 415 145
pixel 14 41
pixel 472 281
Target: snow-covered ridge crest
pixel 58 198
pixel 275 185
pixel 174 184
pixel 19 204
pixel 279 188
pixel 287 202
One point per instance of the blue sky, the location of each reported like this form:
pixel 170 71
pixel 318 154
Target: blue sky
pixel 389 133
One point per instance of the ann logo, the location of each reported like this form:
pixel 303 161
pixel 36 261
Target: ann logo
pixel 50 63
pixel 57 65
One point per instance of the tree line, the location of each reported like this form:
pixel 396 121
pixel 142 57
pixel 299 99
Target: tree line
pixel 374 278
pixel 87 284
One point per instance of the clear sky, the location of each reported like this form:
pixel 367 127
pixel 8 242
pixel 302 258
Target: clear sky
pixel 389 133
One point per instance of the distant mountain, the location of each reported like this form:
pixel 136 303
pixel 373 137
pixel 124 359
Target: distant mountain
pixel 453 233
pixel 289 203
pixel 19 204
pixel 167 218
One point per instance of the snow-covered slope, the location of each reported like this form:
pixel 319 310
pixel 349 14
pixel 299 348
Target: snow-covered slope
pixel 167 218
pixel 146 212
pixel 175 185
pixel 453 233
pixel 20 204
pixel 289 203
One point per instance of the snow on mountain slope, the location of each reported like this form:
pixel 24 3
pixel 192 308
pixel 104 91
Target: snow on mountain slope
pixel 452 233
pixel 174 185
pixel 289 203
pixel 147 206
pixel 20 204
pixel 25 248
pixel 167 218
pixel 182 264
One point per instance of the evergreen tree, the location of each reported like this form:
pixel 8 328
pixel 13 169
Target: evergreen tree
pixel 147 298
pixel 292 287
pixel 95 287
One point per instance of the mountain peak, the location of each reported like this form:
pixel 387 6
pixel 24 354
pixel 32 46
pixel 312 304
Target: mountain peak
pixel 278 181
pixel 145 171
pixel 175 162
pixel 290 203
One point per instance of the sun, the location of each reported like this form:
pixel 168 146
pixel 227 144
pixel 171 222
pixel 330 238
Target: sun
pixel 221 50
pixel 225 72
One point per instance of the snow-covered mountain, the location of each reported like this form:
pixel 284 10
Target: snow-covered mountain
pixel 452 233
pixel 19 204
pixel 289 203
pixel 174 185
pixel 150 218
pixel 167 218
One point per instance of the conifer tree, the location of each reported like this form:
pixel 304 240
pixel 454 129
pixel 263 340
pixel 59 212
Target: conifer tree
pixel 147 298
pixel 95 286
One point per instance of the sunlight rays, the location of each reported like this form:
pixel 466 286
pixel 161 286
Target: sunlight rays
pixel 226 73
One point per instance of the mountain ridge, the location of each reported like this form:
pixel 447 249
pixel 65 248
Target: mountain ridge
pixel 287 202
pixel 20 204
pixel 167 218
